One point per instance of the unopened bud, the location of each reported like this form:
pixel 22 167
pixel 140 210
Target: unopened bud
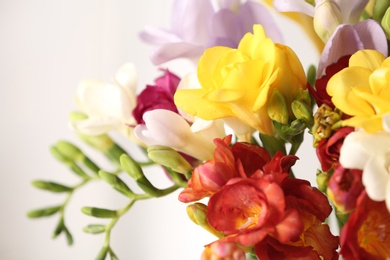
pixel 45 212
pixel 69 151
pixel 327 17
pixel 277 107
pixel 322 180
pixel 99 213
pixel 169 158
pixel 116 183
pixel 197 212
pixel 51 186
pixel 379 10
pixel 386 23
pixel 302 111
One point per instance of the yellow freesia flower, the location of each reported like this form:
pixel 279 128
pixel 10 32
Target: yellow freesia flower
pixel 238 82
pixel 363 90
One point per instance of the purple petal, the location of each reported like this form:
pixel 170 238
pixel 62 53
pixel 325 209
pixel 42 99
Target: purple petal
pixel 344 41
pixel 191 20
pixel 226 29
pixel 372 36
pixel 157 36
pixel 254 13
pixel 170 51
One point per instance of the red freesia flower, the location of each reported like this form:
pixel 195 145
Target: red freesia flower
pixel 366 235
pixel 344 187
pixel 242 159
pixel 247 210
pixel 328 150
pixel 319 92
pixel 157 96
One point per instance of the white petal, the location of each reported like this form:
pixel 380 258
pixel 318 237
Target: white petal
pixel 386 123
pixel 376 177
pixel 99 99
pixel 95 126
pixel 294 6
pixel 353 153
pixel 127 77
pixel 169 128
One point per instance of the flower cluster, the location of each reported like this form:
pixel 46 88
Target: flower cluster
pixel 227 134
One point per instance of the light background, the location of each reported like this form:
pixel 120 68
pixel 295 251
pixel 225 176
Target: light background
pixel 46 48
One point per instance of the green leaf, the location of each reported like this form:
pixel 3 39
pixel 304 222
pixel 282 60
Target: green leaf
pixel 94 229
pixel 99 212
pixel 44 212
pixel 51 186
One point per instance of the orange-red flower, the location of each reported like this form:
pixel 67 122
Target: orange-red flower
pixel 366 235
pixel 247 210
pixel 242 159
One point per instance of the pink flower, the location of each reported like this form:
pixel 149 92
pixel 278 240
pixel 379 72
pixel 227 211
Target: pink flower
pixel 223 251
pixel 158 96
pixel 344 187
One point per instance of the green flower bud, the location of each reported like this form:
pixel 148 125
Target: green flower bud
pixel 311 75
pixel 99 212
pixel 197 212
pixel 302 111
pixel 116 183
pixel 386 22
pixel 51 186
pixel 322 180
pixel 69 151
pixel 130 166
pixel 94 229
pixel 59 228
pixel 379 10
pixel 277 107
pixel 169 158
pixel 45 212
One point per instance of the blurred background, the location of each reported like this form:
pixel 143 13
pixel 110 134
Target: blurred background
pixel 46 48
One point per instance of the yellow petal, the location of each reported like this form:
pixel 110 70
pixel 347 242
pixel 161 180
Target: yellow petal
pixel 368 59
pixel 371 124
pixel 340 88
pixel 249 42
pixel 193 102
pixel 207 63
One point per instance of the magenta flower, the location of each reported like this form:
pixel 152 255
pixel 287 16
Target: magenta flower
pixel 159 96
pixel 197 25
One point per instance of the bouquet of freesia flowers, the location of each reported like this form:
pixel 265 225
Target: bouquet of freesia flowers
pixel 227 134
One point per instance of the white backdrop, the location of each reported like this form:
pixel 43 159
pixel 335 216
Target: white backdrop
pixel 46 48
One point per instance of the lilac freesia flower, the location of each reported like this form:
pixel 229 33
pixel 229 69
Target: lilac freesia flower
pixel 158 96
pixel 197 25
pixel 348 39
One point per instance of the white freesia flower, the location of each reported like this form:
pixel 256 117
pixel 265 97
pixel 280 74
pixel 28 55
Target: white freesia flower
pixel 167 128
pixel 108 106
pixel 370 153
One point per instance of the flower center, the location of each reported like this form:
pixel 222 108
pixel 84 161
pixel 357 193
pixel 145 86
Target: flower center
pixel 374 234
